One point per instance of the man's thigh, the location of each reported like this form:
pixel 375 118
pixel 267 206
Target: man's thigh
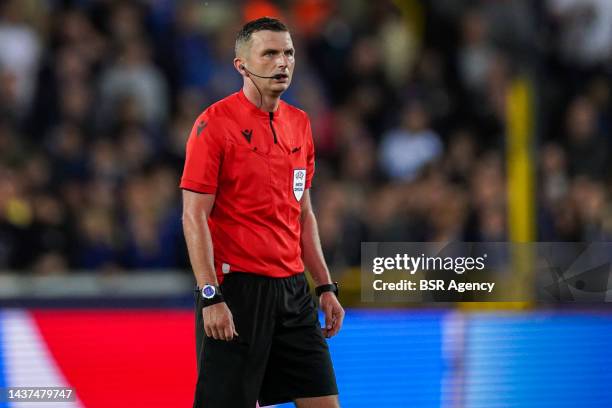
pixel 230 372
pixel 227 376
pixel 329 401
pixel 299 365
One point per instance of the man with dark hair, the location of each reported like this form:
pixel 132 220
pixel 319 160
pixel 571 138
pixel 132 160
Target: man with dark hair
pixel 250 230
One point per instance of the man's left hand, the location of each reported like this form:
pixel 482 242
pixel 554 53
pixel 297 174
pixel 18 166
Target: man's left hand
pixel 334 313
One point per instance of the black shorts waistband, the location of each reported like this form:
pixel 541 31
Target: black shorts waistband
pixel 258 277
pixel 254 275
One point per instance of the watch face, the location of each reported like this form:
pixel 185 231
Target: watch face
pixel 208 291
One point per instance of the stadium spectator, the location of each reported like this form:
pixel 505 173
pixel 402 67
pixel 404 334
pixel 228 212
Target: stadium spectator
pixel 406 150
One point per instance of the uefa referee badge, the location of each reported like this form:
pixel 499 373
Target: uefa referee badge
pixel 299 182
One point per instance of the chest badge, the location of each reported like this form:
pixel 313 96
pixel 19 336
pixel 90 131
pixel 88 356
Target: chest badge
pixel 299 183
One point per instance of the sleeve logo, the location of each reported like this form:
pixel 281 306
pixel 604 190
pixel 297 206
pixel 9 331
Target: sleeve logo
pixel 299 183
pixel 201 126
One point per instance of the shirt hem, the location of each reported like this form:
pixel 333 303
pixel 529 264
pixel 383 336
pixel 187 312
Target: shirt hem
pixel 198 187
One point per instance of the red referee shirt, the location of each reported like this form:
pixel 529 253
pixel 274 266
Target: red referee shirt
pixel 258 164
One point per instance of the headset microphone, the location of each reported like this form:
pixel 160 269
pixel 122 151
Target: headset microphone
pixel 277 76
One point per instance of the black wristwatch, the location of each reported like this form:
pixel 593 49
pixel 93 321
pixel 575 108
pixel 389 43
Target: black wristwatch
pixel 210 295
pixel 330 287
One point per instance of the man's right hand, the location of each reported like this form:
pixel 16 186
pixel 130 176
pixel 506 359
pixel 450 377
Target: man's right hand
pixel 219 322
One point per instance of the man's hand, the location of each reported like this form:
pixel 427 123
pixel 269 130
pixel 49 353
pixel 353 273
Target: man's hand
pixel 334 313
pixel 219 322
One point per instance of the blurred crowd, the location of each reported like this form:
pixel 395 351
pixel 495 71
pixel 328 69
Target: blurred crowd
pixel 407 99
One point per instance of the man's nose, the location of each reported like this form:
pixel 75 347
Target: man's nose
pixel 282 61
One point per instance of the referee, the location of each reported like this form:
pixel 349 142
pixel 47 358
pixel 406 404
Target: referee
pixel 250 231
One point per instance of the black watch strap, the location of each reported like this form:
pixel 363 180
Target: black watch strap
pixel 217 298
pixel 330 287
pixel 213 301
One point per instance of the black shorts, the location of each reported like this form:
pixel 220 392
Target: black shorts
pixel 280 353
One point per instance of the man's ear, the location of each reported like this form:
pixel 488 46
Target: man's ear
pixel 239 65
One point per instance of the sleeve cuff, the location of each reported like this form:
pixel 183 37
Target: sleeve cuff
pixel 198 187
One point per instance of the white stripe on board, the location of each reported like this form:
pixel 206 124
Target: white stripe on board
pixel 27 360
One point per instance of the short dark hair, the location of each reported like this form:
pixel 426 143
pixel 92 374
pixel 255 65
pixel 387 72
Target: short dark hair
pixel 261 24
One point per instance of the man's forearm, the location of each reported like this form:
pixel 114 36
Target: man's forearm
pixel 312 254
pixel 199 245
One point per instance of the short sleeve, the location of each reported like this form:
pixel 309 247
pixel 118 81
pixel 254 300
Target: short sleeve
pixel 203 158
pixel 310 157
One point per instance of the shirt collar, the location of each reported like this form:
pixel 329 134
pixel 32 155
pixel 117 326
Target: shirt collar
pixel 255 110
